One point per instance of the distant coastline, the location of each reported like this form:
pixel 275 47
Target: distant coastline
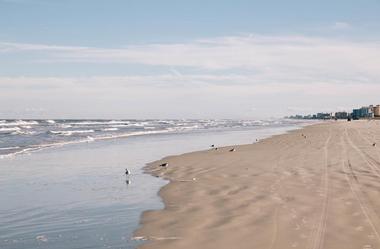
pixel 365 112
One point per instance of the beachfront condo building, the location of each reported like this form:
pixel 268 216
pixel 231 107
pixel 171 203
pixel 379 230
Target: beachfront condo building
pixel 364 112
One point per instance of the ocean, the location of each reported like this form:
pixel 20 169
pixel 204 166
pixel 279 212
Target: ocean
pixel 62 182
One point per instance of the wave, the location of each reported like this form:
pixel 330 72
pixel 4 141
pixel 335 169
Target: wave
pixel 71 132
pixel 111 129
pixel 16 153
pixel 88 139
pixel 18 123
pixel 65 132
pixel 64 126
pixel 89 123
pixel 34 148
pixel 9 148
pixel 16 131
pixel 20 132
pixel 50 121
pixel 120 125
pixel 9 130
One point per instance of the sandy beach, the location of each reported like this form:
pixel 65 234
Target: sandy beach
pixel 316 187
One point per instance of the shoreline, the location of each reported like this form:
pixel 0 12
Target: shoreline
pixel 98 169
pixel 151 169
pixel 200 198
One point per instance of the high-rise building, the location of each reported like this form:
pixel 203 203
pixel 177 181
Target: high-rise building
pixel 376 111
pixel 364 112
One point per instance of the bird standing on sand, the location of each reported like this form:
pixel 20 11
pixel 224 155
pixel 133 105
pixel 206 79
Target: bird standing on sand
pixel 164 164
pixel 232 150
pixel 127 172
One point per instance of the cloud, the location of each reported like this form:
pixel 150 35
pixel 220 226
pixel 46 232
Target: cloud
pixel 215 77
pixel 341 25
pixel 271 58
pixel 236 83
pixel 174 96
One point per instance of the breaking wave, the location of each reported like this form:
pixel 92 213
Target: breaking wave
pixel 25 136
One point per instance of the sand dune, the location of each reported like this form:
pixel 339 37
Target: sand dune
pixel 317 190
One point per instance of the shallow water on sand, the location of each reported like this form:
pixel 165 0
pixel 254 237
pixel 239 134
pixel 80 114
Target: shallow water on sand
pixel 77 197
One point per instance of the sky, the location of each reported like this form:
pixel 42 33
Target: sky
pixel 125 59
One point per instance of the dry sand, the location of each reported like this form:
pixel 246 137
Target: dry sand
pixel 322 191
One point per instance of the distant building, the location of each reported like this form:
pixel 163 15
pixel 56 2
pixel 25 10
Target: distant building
pixel 376 111
pixel 341 115
pixel 324 115
pixel 364 112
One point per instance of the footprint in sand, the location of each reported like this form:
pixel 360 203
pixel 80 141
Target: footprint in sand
pixel 304 236
pixel 359 228
pixel 298 227
pixel 356 214
pixel 371 236
pixel 304 220
pixel 294 213
pixel 277 199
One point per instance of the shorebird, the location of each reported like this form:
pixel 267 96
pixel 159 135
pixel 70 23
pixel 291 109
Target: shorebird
pixel 128 182
pixel 216 148
pixel 212 145
pixel 164 165
pixel 127 172
pixel 374 144
pixel 232 150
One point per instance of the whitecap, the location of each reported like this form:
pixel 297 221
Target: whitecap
pixel 110 129
pixel 19 122
pixel 9 130
pixel 71 132
pixel 9 148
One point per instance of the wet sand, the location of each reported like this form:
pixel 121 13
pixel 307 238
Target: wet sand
pixel 318 187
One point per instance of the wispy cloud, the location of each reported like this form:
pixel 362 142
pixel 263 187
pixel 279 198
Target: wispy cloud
pixel 341 26
pixel 191 81
pixel 238 73
pixel 177 96
pixel 271 58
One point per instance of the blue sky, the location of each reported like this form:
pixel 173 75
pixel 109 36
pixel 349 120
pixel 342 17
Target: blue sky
pixel 176 59
pixel 121 22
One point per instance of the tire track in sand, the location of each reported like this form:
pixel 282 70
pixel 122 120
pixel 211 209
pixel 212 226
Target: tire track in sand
pixel 375 162
pixel 355 187
pixel 275 169
pixel 319 233
pixel 373 168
